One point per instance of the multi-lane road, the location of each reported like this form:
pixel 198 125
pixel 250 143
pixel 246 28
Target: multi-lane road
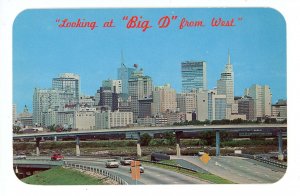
pixel 236 169
pixel 152 175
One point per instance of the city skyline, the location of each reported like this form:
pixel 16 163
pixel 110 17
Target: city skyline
pixel 44 51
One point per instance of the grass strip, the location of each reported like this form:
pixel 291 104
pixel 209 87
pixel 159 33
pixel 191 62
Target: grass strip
pixel 61 176
pixel 202 176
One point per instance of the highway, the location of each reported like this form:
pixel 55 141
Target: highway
pixel 152 175
pixel 237 169
pixel 242 127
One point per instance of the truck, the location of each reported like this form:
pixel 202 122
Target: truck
pixel 159 156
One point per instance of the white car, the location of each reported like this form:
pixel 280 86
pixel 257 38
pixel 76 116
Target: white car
pixel 126 161
pixel 20 156
pixel 112 163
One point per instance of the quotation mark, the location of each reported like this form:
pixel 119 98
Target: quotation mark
pixel 57 20
pixel 174 17
pixel 240 18
pixel 125 18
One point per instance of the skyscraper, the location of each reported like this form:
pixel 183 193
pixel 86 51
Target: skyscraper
pixel 124 74
pixel 108 98
pixel 139 87
pixel 114 85
pixel 216 106
pixel 225 86
pixel 262 100
pixel 193 75
pixel 70 84
pixel 164 99
pixel 44 100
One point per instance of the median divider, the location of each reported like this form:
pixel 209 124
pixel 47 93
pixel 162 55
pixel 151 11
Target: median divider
pixel 170 165
pixel 102 172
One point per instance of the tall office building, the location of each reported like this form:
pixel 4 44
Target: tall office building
pixel 44 100
pixel 202 105
pixel 246 106
pixel 164 99
pixel 262 100
pixel 139 87
pixel 186 102
pixel 225 86
pixel 216 106
pixel 124 74
pixel 114 85
pixel 193 75
pixel 108 98
pixel 69 83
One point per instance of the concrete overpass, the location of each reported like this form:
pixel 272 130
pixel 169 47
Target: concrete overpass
pixel 24 168
pixel 275 129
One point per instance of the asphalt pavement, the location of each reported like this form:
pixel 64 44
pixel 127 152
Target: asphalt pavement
pixel 236 169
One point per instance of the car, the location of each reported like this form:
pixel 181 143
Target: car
pixel 20 156
pixel 57 157
pixel 112 163
pixel 142 169
pixel 126 161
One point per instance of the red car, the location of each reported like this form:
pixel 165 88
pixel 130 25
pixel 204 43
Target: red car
pixel 57 157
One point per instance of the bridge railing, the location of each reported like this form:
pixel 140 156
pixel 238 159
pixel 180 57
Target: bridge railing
pixel 102 172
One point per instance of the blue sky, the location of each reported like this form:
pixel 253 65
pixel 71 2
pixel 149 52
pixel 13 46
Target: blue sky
pixel 42 50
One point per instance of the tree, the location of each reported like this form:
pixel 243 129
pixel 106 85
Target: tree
pixel 145 139
pixel 169 138
pixel 16 129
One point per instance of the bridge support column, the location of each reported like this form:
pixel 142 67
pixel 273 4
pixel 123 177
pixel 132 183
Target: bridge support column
pixel 217 143
pixel 77 146
pixel 37 146
pixel 280 153
pixel 55 138
pixel 178 150
pixel 138 145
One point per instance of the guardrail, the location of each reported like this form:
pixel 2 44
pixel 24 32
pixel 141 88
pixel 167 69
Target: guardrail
pixel 270 162
pixel 102 172
pixel 263 160
pixel 175 166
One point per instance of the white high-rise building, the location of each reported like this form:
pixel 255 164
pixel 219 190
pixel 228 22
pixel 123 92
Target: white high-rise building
pixel 262 100
pixel 202 105
pixel 164 99
pixel 43 100
pixel 225 86
pixel 85 119
pixel 69 83
pixel 108 119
